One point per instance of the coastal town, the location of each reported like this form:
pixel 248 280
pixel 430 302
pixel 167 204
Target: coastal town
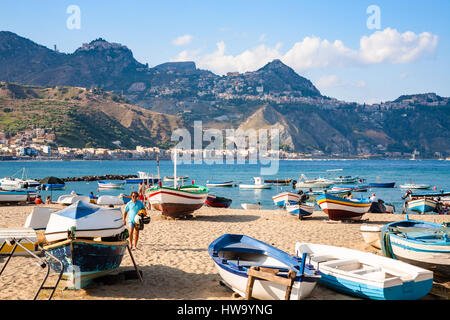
pixel 39 144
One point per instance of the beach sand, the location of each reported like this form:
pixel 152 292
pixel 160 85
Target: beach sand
pixel 173 253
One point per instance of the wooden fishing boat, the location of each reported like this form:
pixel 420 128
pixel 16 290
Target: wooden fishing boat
pixel 414 186
pixel 217 202
pixel 371 234
pixel 90 241
pixel 110 185
pixel 68 199
pixel 13 196
pixel 312 195
pixel 107 200
pixel 432 195
pixel 422 205
pixel 421 243
pixel 286 198
pixel 177 202
pixel 382 185
pixel 319 183
pixel 280 182
pixel 219 184
pixel 300 210
pixel 171 179
pixel 258 184
pixel 143 177
pixel 367 275
pixel 8 183
pixel 28 238
pixel 125 198
pixel 343 209
pixel 234 255
pixel 250 206
pixel 350 188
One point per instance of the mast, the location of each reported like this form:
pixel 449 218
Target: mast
pixel 175 169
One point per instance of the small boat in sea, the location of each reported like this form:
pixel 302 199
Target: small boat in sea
pixel 217 202
pixel 8 183
pixel 250 206
pixel 259 184
pixel 366 275
pixel 110 185
pixel 286 198
pixel 143 177
pixel 350 188
pixel 421 243
pixel 236 256
pixel 300 210
pixel 171 179
pixel 279 182
pixel 319 183
pixel 219 184
pixel 89 240
pixel 52 183
pixel 414 186
pixel 381 185
pixel 371 234
pixel 343 209
pixel 422 205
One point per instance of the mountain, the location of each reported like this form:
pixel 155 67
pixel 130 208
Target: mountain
pixel 154 101
pixel 79 117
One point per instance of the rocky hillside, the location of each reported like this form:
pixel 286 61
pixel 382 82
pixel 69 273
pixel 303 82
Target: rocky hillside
pixel 81 117
pixel 140 105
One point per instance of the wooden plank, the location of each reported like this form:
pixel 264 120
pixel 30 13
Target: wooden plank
pixel 269 274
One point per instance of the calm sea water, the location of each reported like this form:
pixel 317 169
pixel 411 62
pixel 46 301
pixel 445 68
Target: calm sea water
pixel 433 172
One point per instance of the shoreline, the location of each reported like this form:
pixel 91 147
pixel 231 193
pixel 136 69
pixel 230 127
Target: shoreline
pixel 173 254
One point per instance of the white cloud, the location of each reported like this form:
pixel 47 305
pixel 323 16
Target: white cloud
pixel 387 46
pixel 182 40
pixel 393 47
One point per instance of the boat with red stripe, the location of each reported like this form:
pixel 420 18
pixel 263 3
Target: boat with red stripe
pixel 343 209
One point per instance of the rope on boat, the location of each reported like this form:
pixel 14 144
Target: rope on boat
pixel 386 247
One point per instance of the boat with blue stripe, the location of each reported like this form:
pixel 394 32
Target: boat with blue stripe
pixel 381 185
pixel 422 243
pixel 235 254
pixel 89 240
pixel 300 210
pixel 366 275
pixel 422 206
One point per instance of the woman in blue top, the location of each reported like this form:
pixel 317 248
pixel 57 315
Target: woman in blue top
pixel 131 209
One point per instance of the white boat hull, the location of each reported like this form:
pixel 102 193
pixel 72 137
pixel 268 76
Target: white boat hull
pixel 175 202
pixel 13 197
pixel 285 198
pixel 255 186
pixel 249 206
pixel 265 290
pixel 420 254
pixel 365 274
pixel 371 235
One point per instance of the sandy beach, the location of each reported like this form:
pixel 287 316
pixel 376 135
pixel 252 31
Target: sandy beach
pixel 173 254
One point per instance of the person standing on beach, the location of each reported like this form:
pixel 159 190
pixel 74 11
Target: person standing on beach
pixel 131 210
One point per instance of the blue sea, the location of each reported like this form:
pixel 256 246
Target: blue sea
pixel 433 172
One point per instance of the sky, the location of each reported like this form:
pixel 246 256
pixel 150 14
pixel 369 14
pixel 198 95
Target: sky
pixel 362 51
